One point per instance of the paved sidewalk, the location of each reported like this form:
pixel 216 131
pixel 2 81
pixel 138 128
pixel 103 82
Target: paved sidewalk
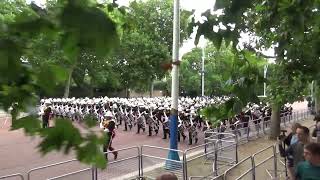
pixel 202 167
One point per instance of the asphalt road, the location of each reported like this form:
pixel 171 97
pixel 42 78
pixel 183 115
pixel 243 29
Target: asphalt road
pixel 18 153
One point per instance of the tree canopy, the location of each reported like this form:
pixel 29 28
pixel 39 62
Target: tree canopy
pixel 46 47
pixel 215 64
pixel 61 21
pixel 290 27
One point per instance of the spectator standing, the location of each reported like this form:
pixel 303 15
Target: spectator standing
pixel 294 152
pixel 316 131
pixel 292 137
pixel 310 168
pixel 167 176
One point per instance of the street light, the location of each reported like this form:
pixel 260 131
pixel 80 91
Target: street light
pixel 202 44
pixel 265 77
pixel 202 73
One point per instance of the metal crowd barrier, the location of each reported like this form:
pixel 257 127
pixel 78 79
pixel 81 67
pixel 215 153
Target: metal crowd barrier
pixel 220 150
pixel 48 171
pixel 218 153
pixel 239 170
pixel 261 165
pixel 281 168
pixel 19 176
pixel 253 167
pixel 225 157
pixel 199 160
pixel 221 140
pixel 77 175
pixel 154 161
pixel 128 163
pixel 255 128
pixel 211 177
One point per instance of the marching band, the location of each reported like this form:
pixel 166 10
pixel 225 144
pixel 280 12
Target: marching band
pixel 152 113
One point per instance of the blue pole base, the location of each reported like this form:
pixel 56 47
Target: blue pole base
pixel 173 162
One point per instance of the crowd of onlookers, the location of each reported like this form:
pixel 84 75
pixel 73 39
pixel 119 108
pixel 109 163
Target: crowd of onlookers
pixel 301 150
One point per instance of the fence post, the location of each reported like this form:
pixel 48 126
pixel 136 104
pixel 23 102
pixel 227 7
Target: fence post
pixel 236 132
pixel 248 129
pixel 215 158
pixel 237 157
pixel 141 161
pixel 93 173
pixel 305 114
pixel 275 161
pixel 185 168
pixel 96 173
pixel 205 142
pixel 253 167
pixel 263 125
pixel 285 119
pixel 290 116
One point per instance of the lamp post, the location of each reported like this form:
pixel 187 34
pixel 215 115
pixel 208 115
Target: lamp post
pixel 202 73
pixel 173 155
pixel 265 77
pixel 312 88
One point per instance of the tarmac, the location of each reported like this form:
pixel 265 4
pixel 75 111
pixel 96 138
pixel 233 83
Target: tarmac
pixel 19 154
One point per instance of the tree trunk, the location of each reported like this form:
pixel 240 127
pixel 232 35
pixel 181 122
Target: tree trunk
pixel 68 83
pixel 317 97
pixel 275 121
pixel 91 88
pixel 91 92
pixel 151 89
pixel 127 92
